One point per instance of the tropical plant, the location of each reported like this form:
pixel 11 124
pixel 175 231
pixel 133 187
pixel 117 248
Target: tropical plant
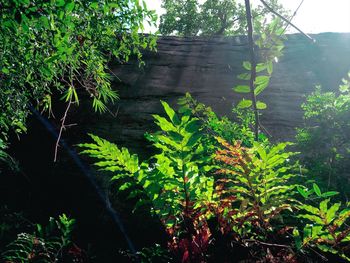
pixel 173 182
pixel 324 138
pixel 63 47
pixel 258 180
pixel 326 229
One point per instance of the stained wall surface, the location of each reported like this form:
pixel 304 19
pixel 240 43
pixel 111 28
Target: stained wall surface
pixel 207 68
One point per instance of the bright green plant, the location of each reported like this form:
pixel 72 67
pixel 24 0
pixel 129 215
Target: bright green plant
pixel 326 228
pixel 325 138
pixel 240 128
pixel 173 182
pixel 63 47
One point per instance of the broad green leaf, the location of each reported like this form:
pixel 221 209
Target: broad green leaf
pixel 193 139
pixel 244 76
pixel 260 67
pixel 243 104
pixel 330 193
pixel 193 126
pixel 247 65
pixel 332 212
pixel 171 113
pixel 5 70
pixel 70 6
pixel 324 205
pixel 262 80
pixel 242 89
pixel 261 105
pixel 316 189
pixel 60 2
pixel 302 191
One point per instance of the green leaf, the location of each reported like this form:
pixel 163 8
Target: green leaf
pixel 243 104
pixel 269 67
pixel 193 126
pixel 5 70
pixel 297 239
pixel 323 206
pixel 316 189
pixel 94 5
pixel 194 139
pixel 242 89
pixel 171 113
pixel 261 105
pixel 244 76
pixel 302 191
pixel 260 67
pixel 262 80
pixel 69 7
pixel 247 65
pixel 330 193
pixel 332 212
pixel 60 3
pixel 307 231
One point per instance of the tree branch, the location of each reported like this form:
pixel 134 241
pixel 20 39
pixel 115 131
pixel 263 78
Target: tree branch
pixel 287 21
pixel 253 67
pixel 61 128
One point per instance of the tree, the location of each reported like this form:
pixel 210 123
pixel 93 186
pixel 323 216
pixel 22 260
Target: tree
pixel 64 46
pixel 213 17
pixel 182 18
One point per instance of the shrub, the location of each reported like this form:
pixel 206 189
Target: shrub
pixel 325 138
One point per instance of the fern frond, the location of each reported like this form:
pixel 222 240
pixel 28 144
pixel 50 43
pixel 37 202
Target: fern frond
pixel 110 157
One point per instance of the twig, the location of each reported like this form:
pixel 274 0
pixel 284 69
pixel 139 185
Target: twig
pixel 265 244
pixel 61 128
pixel 287 21
pixel 291 18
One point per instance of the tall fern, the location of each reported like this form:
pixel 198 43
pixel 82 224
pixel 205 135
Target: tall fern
pixel 174 180
pixel 258 182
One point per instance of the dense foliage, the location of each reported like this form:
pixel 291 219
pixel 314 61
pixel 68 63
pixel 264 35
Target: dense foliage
pixel 325 137
pixel 63 47
pixel 209 18
pixel 204 191
pixel 52 243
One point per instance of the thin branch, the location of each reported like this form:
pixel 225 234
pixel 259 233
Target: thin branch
pixel 287 21
pixel 61 128
pixel 253 67
pixel 292 17
pixel 265 244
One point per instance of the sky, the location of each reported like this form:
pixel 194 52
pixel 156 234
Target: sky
pixel 314 16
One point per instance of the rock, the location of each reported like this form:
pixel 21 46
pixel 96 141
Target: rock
pixel 207 68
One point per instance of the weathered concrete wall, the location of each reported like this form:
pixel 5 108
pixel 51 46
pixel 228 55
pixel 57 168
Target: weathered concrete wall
pixel 207 68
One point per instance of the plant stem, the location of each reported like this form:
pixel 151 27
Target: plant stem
pixel 253 67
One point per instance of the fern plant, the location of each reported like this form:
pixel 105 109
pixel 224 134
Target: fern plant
pixel 258 182
pixel 326 228
pixel 49 244
pixel 173 181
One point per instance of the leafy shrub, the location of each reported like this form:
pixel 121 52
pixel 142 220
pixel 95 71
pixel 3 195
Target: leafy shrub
pixel 326 228
pixel 258 180
pixel 206 190
pixel 174 181
pixel 238 129
pixel 325 138
pixel 50 244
